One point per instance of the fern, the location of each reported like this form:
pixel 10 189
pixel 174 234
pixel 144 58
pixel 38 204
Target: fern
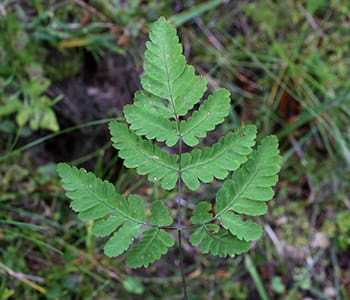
pixel 164 112
pixel 97 200
pixel 145 156
pixel 246 193
pixel 211 112
pixel 216 161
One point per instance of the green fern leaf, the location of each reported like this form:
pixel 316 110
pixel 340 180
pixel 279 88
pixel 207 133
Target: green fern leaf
pixel 243 230
pixel 210 237
pixel 216 161
pixel 247 192
pixel 148 118
pixel 160 215
pixel 107 226
pixel 201 214
pixel 167 77
pixel 153 104
pixel 249 189
pixel 95 199
pixel 218 242
pixel 166 73
pixel 211 112
pixel 164 111
pixel 121 239
pixel 251 185
pixel 154 243
pixel 145 156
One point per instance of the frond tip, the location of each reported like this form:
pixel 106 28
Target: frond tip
pixel 167 75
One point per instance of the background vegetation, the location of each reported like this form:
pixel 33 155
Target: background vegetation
pixel 69 67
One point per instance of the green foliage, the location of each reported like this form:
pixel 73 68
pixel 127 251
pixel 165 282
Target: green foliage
pixel 152 245
pixel 211 112
pixel 216 241
pixel 133 285
pixel 216 161
pixel 160 214
pixel 147 157
pixel 167 75
pixel 37 108
pixel 22 82
pixel 245 193
pixel 251 185
pixel 164 111
pixel 149 117
pixel 97 200
pixel 340 229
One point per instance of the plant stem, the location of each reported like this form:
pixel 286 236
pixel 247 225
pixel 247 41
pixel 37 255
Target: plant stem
pixel 179 189
pixel 179 217
pixel 182 268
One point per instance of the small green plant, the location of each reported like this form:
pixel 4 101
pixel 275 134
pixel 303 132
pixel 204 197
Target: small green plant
pixel 160 112
pixel 23 83
pixel 339 229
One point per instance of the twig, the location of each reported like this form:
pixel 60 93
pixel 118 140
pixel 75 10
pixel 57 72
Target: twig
pixel 25 278
pixel 212 39
pixel 274 239
pixel 308 17
pixel 2 10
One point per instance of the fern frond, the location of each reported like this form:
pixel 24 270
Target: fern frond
pixel 145 156
pixel 249 189
pixel 246 193
pixel 216 241
pixel 251 185
pixel 216 161
pixel 201 214
pixel 160 112
pixel 121 240
pixel 95 200
pixel 166 73
pixel 168 77
pixel 153 244
pixel 210 113
pixel 210 237
pixel 150 118
pixel 243 230
pixel 160 215
pixel 153 104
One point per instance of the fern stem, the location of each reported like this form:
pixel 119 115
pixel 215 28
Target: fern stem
pixel 182 267
pixel 179 188
pixel 179 185
pixel 179 219
pixel 179 214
